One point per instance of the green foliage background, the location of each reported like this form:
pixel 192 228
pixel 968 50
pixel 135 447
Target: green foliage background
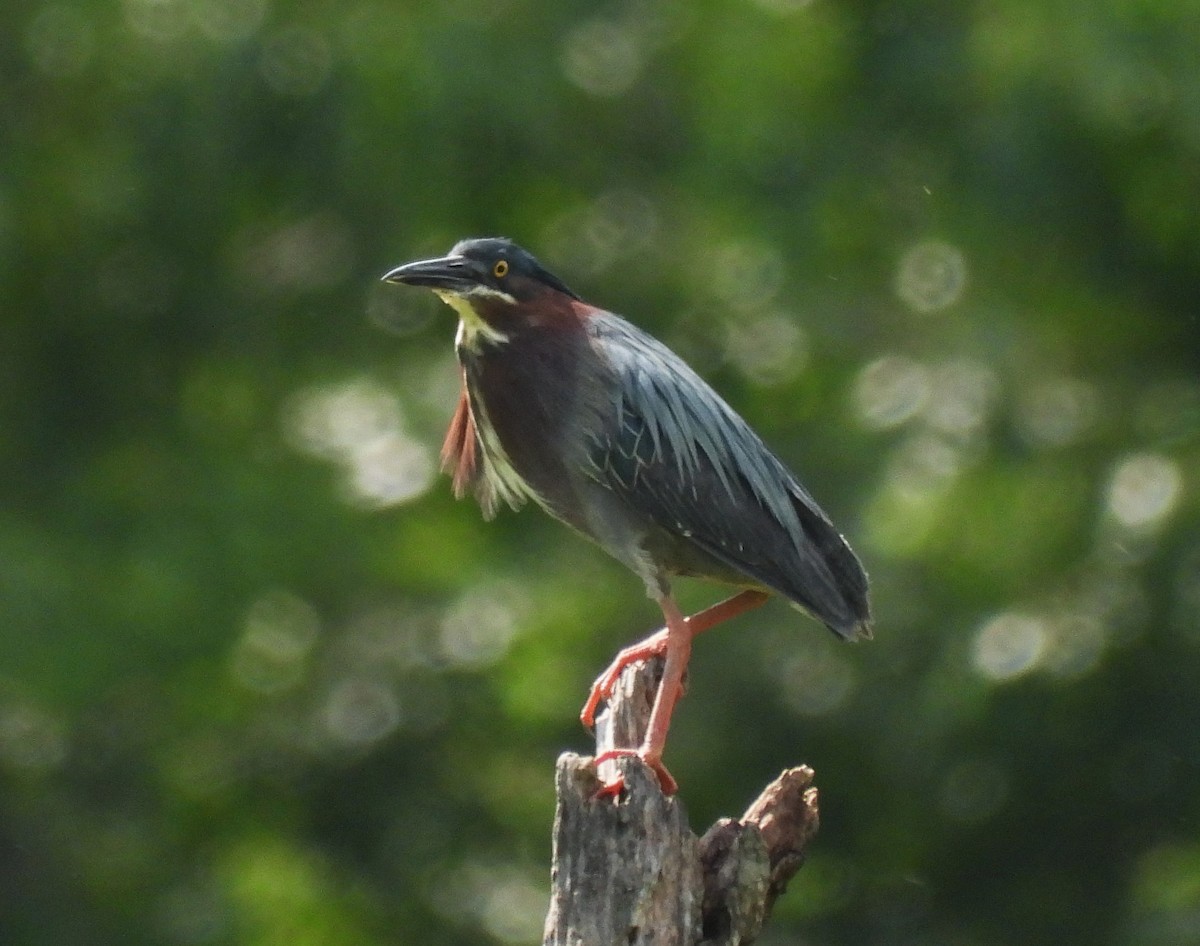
pixel 262 681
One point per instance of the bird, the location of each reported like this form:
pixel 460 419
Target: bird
pixel 576 409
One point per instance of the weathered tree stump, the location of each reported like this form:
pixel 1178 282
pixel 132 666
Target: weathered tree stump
pixel 628 871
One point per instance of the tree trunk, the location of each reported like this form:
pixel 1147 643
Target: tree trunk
pixel 628 871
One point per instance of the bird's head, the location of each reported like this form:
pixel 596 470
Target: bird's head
pixel 495 286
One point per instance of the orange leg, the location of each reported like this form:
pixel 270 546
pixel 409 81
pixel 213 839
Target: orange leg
pixel 656 645
pixel 675 642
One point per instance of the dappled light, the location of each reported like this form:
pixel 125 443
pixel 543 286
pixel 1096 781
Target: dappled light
pixel 157 20
pixel 615 227
pixel 272 653
pixel 891 390
pixel 507 904
pixel 768 349
pixel 1056 412
pixel 228 21
pixel 745 275
pixel 300 255
pixel 603 57
pixel 931 276
pixel 1075 644
pixel 813 681
pixel 359 426
pixel 962 392
pixel 478 628
pixel 1143 490
pixel 262 678
pixel 358 711
pixel 1009 645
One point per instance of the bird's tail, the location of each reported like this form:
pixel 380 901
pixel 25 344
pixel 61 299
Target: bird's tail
pixel 848 614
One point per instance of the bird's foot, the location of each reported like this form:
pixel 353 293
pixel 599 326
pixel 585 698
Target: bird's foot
pixel 614 787
pixel 653 646
pixel 610 789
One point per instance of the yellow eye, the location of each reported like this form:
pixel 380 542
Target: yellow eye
pixel 500 268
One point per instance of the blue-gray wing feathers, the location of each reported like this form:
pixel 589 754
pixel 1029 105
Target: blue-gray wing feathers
pixel 679 455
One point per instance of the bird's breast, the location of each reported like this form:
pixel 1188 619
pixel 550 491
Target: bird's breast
pixel 525 396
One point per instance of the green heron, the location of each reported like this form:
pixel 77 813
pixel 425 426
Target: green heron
pixel 610 432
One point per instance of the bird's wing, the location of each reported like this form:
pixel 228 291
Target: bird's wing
pixel 678 454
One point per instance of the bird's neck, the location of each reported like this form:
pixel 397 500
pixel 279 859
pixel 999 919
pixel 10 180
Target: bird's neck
pixel 490 320
pixel 474 330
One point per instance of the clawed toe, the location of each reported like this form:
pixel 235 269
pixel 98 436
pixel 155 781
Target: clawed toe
pixel 653 646
pixel 614 787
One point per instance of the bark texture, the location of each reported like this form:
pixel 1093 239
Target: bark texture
pixel 628 871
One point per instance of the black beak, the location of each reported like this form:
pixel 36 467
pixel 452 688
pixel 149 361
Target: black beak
pixel 453 273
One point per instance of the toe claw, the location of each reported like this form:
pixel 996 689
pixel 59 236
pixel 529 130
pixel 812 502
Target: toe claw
pixel 611 789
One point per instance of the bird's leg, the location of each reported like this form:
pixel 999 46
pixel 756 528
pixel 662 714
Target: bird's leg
pixel 675 642
pixel 677 646
pixel 652 646
pixel 656 644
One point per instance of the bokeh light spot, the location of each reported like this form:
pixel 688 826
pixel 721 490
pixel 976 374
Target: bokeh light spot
pixel 814 681
pixel 616 225
pixel 228 21
pixel 161 21
pixel 931 276
pixel 512 909
pixel 280 630
pixel 891 390
pixel 478 628
pixel 359 711
pixel 1076 644
pixel 767 349
pixel 602 57
pixel 1143 490
pixel 900 520
pixel 388 471
pixel 510 906
pixel 962 396
pixel 1057 412
pixel 359 426
pixel 303 255
pixel 619 222
pixel 924 465
pixel 746 274
pixel 333 421
pixel 1009 645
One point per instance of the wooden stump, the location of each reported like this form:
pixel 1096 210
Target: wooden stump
pixel 628 871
